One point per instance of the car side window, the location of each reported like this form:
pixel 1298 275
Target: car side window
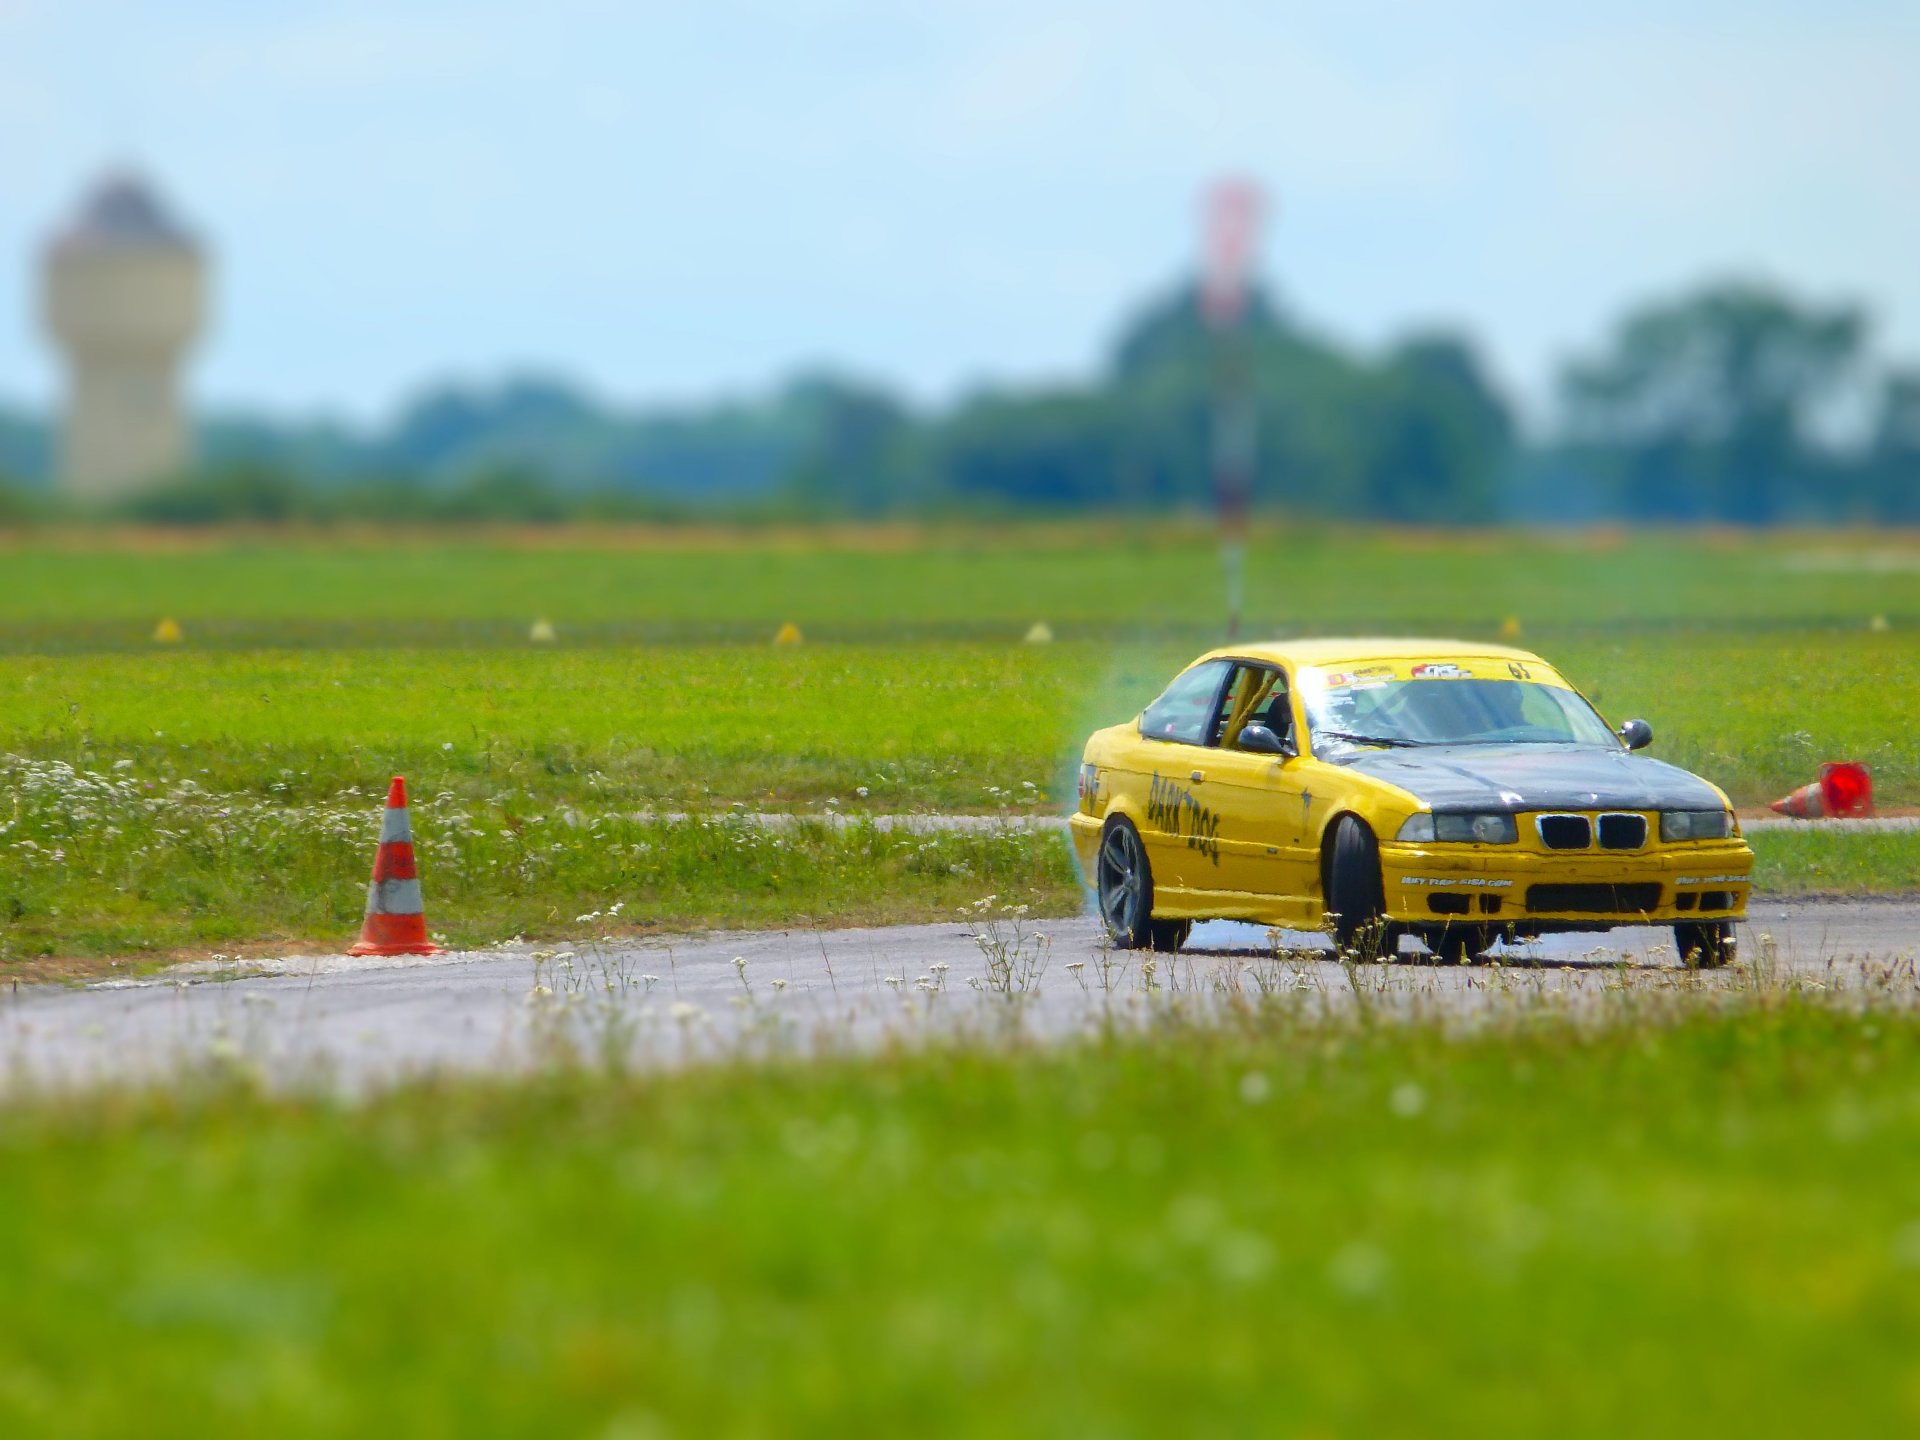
pixel 1187 707
pixel 1256 695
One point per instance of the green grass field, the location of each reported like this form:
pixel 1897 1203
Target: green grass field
pixel 1700 1219
pixel 314 668
pixel 936 725
pixel 112 864
pixel 1691 1212
pixel 88 589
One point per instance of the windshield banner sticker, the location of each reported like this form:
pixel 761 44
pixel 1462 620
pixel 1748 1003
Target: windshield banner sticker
pixel 1367 673
pixel 1173 809
pixel 1363 677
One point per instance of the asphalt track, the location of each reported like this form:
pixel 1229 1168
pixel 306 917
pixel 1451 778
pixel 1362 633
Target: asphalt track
pixel 351 1024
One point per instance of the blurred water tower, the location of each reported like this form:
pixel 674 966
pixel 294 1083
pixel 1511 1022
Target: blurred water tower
pixel 125 296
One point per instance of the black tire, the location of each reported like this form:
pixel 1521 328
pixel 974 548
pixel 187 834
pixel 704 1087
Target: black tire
pixel 1356 896
pixel 1169 935
pixel 1459 944
pixel 1704 944
pixel 1124 882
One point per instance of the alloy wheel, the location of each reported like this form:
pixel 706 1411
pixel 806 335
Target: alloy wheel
pixel 1122 876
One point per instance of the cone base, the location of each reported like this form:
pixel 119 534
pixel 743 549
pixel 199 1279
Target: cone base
pixel 367 948
pixel 388 934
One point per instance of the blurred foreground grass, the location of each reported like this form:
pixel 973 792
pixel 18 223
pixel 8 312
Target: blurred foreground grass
pixel 1701 1219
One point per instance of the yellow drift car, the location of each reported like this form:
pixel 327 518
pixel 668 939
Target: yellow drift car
pixel 1460 793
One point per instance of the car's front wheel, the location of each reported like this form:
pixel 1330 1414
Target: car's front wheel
pixel 1356 895
pixel 1704 944
pixel 1124 882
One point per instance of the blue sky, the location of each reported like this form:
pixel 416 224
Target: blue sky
pixel 676 201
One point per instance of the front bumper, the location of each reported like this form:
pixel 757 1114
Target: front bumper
pixel 1428 884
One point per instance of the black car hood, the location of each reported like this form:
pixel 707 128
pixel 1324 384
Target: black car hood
pixel 1536 777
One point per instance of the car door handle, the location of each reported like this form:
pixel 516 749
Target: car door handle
pixel 1197 776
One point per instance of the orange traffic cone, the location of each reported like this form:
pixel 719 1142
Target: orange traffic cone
pixel 396 921
pixel 1843 791
pixel 1806 803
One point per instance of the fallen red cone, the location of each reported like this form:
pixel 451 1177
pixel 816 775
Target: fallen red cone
pixel 396 921
pixel 1843 791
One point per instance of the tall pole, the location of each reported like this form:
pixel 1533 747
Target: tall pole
pixel 1232 239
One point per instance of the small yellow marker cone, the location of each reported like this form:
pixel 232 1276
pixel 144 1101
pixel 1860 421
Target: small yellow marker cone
pixel 1510 628
pixel 787 634
pixel 167 632
pixel 1878 624
pixel 542 633
pixel 1040 634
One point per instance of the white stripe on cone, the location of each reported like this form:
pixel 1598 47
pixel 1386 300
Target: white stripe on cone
pixel 394 897
pixel 394 825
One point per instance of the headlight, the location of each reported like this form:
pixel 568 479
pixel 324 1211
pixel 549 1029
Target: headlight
pixel 1696 824
pixel 1463 829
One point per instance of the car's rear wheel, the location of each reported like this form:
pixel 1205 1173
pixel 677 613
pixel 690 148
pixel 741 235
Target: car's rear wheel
pixel 1704 944
pixel 1124 882
pixel 1356 896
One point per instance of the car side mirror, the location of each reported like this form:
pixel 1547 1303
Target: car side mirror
pixel 1637 734
pixel 1262 741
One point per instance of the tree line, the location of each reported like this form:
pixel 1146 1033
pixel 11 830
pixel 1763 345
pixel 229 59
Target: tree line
pixel 1733 402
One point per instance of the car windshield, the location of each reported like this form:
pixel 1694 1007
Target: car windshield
pixel 1443 704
